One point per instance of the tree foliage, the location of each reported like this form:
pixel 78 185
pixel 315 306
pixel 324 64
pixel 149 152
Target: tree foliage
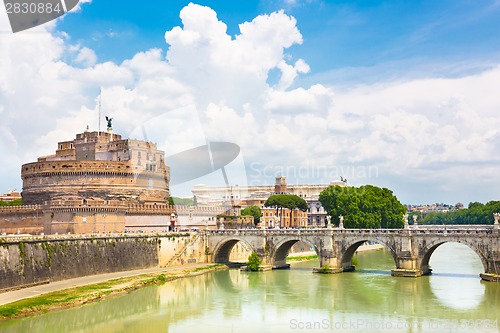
pixel 254 262
pixel 181 201
pixel 254 211
pixel 476 213
pixel 288 201
pixel 16 202
pixel 364 207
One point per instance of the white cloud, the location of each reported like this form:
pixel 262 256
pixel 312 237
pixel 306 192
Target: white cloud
pixel 211 86
pixel 86 57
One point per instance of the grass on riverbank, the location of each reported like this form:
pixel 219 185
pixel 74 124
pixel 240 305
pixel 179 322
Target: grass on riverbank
pixel 302 258
pixel 77 296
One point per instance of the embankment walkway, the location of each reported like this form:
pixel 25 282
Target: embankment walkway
pixel 16 295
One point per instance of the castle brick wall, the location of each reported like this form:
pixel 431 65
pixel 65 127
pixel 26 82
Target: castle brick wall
pixel 44 181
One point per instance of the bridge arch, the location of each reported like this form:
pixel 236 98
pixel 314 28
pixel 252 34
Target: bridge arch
pixel 432 246
pixel 222 251
pixel 349 250
pixel 281 249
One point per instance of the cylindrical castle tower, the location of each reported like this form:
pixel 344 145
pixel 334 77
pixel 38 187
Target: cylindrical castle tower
pixel 98 165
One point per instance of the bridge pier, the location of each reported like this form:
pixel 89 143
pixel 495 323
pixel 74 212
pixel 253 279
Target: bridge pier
pixel 266 261
pixel 492 273
pixel 328 263
pixel 490 277
pixel 279 264
pixel 408 265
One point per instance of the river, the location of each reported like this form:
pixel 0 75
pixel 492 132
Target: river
pixel 452 299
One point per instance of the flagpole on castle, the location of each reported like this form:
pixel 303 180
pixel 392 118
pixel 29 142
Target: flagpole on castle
pixel 99 129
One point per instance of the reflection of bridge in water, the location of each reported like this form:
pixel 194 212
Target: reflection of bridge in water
pixel 410 248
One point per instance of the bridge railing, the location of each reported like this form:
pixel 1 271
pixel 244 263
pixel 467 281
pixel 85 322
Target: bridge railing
pixel 479 229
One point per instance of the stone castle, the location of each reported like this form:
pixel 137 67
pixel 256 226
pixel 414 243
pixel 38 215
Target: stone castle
pixel 98 165
pixel 97 182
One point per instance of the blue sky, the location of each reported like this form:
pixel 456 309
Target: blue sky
pixel 400 94
pixel 337 34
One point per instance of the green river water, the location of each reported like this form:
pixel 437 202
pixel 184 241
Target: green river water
pixel 452 299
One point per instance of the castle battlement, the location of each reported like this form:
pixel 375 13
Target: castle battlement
pixel 149 209
pixel 27 209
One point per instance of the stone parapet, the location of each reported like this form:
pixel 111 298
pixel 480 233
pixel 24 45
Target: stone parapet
pixel 200 210
pixel 27 209
pixel 149 209
pixel 37 169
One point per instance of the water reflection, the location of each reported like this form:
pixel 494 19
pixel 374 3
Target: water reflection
pixel 452 287
pixel 275 301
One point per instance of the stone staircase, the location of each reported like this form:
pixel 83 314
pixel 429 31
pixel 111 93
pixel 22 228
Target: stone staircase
pixel 193 240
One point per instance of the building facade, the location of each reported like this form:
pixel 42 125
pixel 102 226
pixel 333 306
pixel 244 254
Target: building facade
pixel 286 218
pixel 257 196
pixel 11 195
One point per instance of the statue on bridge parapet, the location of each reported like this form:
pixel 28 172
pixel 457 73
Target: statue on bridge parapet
pixel 405 220
pixel 496 225
pixel 328 221
pixel 341 222
pixel 415 224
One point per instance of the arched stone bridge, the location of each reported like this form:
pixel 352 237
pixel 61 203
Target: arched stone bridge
pixel 411 249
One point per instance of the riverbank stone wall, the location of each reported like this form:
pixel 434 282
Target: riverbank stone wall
pixel 32 261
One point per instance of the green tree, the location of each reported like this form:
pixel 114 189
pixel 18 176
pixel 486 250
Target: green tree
pixel 181 201
pixel 254 262
pixel 16 202
pixel 364 207
pixel 476 213
pixel 254 211
pixel 286 201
